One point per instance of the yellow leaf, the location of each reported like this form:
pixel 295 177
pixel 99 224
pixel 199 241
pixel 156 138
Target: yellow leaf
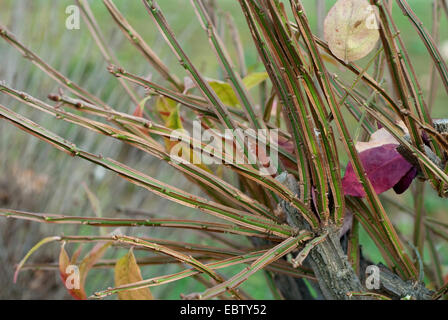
pixel 227 95
pixel 330 59
pixel 169 112
pixel 254 79
pixel 351 29
pixel 225 92
pixel 127 272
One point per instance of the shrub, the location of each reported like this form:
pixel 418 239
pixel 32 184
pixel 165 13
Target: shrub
pixel 300 210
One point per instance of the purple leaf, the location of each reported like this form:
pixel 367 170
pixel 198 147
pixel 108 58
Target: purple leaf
pixel 406 181
pixel 385 168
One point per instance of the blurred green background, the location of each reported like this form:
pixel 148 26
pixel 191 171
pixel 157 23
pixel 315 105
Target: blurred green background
pixel 35 177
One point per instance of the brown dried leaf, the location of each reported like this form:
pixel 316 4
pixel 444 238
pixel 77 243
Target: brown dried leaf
pixel 379 138
pixel 351 29
pixel 127 272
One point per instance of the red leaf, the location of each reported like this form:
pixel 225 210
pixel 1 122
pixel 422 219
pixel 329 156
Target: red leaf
pixel 385 168
pixel 64 262
pixel 288 145
pixel 76 287
pixel 138 112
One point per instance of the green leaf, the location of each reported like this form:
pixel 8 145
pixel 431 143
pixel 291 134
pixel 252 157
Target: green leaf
pixel 127 272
